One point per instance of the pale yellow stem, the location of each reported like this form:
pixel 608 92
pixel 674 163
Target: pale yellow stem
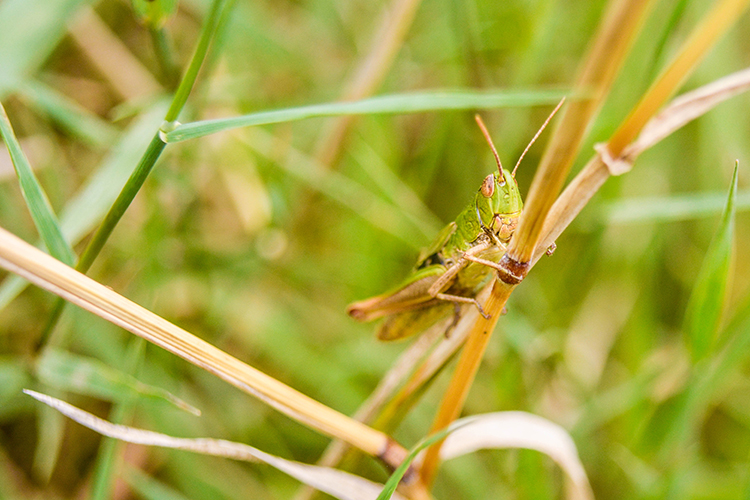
pixel 43 270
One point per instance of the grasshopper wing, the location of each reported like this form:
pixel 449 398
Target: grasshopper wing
pixel 409 295
pixel 405 324
pixel 440 240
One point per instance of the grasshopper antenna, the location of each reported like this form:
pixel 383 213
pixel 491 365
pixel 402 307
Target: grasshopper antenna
pixel 513 174
pixel 492 146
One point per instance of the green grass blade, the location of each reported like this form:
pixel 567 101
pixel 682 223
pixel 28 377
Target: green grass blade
pixel 706 303
pixel 81 375
pixel 71 116
pixel 29 31
pixel 41 211
pixel 86 208
pixel 342 189
pixel 105 469
pixel 210 26
pixel 416 102
pixel 390 486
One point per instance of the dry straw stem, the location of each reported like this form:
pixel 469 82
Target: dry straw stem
pixel 395 23
pixel 616 33
pixel 682 110
pixel 468 364
pixel 46 272
pixel 123 71
pixel 718 21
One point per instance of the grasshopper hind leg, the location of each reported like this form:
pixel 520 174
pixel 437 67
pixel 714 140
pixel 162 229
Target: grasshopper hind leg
pixel 456 299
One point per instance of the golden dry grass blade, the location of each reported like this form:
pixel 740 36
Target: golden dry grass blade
pixel 41 269
pixel 588 181
pixel 715 24
pixel 616 33
pixel 122 70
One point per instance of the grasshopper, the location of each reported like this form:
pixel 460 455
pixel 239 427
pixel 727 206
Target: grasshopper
pixel 453 269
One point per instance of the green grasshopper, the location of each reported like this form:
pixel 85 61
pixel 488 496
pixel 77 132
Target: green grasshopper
pixel 453 270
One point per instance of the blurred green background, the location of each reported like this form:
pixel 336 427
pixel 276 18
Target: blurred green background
pixel 246 243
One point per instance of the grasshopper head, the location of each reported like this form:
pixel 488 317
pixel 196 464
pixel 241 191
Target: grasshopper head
pixel 499 203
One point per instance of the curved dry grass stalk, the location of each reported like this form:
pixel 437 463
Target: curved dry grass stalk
pixel 517 429
pixel 338 484
pixel 681 111
pixel 489 431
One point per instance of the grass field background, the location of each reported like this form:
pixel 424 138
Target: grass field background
pixel 242 238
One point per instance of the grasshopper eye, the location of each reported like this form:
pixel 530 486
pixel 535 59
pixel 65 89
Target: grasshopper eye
pixel 488 186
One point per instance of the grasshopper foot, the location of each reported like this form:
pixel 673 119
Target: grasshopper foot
pixel 481 311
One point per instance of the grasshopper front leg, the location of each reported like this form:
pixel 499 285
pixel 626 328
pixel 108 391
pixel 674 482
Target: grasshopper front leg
pixel 445 279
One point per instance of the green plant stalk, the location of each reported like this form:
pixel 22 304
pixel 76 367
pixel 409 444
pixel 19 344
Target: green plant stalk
pixel 155 148
pixel 164 54
pixel 147 162
pixel 122 412
pixel 121 204
pixel 191 75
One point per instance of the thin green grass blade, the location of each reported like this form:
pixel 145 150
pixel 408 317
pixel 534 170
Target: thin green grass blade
pixel 672 208
pixel 39 206
pixel 86 208
pixel 416 102
pixel 29 31
pixel 209 29
pixel 342 189
pixel 72 117
pixel 705 306
pixel 150 488
pixel 88 376
pixel 395 189
pixel 122 413
pixel 390 486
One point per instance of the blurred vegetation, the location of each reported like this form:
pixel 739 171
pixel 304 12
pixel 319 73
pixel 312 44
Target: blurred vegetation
pixel 224 241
